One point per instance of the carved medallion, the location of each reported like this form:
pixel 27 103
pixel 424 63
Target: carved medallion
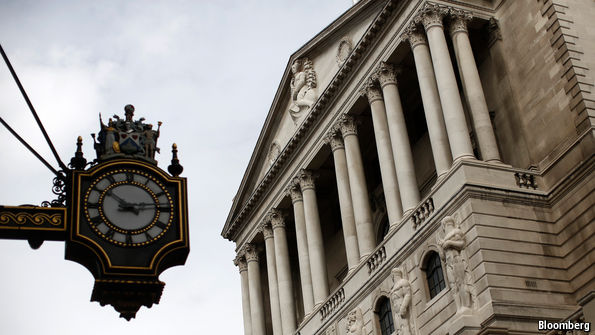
pixel 343 51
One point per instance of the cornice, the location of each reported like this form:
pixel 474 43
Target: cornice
pixel 233 222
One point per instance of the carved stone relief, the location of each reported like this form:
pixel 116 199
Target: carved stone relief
pixel 343 51
pixel 400 297
pixel 303 88
pixel 355 322
pixel 457 269
pixel 274 152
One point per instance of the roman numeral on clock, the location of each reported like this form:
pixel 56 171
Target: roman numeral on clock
pixel 111 179
pixel 110 233
pixel 129 177
pixel 160 224
pixel 93 205
pixel 128 239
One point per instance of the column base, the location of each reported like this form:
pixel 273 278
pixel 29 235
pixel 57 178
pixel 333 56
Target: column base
pixel 463 157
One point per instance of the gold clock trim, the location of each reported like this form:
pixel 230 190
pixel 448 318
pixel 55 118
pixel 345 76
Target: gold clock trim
pixel 159 254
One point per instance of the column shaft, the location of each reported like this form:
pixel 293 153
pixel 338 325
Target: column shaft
pixel 431 102
pixel 345 204
pixel 315 241
pixel 452 107
pixel 399 138
pixel 270 246
pixel 287 302
pixel 240 261
pixel 473 90
pixel 256 303
pixel 359 191
pixel 302 247
pixel 388 174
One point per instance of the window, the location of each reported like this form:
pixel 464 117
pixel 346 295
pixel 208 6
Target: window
pixel 385 317
pixel 434 274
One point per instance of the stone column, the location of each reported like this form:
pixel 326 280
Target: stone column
pixel 255 288
pixel 269 243
pixel 302 246
pixel 386 160
pixel 472 87
pixel 315 242
pixel 240 262
pixel 430 100
pixel 287 303
pixel 452 107
pixel 335 141
pixel 359 191
pixel 387 76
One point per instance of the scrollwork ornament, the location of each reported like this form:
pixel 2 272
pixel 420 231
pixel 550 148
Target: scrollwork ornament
pixel 276 218
pixel 371 90
pixel 267 231
pixel 431 16
pixel 348 125
pixel 458 21
pixel 251 253
pixel 334 140
pixel 387 74
pixel 240 262
pixel 294 191
pixel 306 179
pixel 415 37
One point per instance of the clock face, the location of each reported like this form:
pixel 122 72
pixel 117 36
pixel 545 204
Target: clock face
pixel 128 207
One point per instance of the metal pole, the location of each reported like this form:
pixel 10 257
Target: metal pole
pixel 47 138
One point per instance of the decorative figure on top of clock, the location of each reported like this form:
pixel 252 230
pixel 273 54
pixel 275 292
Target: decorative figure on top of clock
pixel 127 138
pixel 303 88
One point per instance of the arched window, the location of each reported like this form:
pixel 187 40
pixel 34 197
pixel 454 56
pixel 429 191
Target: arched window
pixel 434 274
pixel 385 317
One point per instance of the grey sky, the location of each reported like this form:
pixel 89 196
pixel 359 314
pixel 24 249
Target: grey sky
pixel 207 69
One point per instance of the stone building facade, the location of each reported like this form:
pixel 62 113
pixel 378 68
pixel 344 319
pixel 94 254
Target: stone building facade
pixel 426 167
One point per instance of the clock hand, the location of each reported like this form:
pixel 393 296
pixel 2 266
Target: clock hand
pixel 120 200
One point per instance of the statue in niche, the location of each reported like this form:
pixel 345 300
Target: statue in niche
pixel 457 269
pixel 400 297
pixel 355 322
pixel 303 87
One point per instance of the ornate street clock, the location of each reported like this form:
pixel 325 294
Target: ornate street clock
pixel 121 216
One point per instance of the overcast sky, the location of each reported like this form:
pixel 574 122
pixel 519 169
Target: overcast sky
pixel 208 69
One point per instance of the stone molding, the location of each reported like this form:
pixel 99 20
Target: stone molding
pixel 251 253
pixel 387 74
pixel 458 21
pixel 306 180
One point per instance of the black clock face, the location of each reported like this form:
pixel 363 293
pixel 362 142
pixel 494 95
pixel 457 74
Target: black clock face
pixel 128 207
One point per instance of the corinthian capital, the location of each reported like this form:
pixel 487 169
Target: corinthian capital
pixel 387 74
pixel 371 90
pixel 306 179
pixel 458 21
pixel 348 125
pixel 415 36
pixel 240 262
pixel 277 219
pixel 294 191
pixel 334 139
pixel 431 15
pixel 251 253
pixel 267 232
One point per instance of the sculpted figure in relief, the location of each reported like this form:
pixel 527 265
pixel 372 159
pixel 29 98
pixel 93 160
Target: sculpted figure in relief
pixel 355 322
pixel 303 87
pixel 457 269
pixel 400 296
